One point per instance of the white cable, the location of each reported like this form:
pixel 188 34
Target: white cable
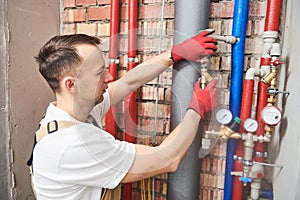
pixel 157 80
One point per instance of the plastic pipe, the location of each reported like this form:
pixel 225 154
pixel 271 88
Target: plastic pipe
pixel 270 36
pixel 111 116
pixel 130 100
pixel 245 113
pixel 190 17
pixel 262 100
pixel 240 19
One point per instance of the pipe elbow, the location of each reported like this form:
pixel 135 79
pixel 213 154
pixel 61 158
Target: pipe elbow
pixel 251 73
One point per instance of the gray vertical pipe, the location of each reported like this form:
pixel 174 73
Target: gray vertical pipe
pixel 190 17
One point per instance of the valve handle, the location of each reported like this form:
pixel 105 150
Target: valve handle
pixel 277 62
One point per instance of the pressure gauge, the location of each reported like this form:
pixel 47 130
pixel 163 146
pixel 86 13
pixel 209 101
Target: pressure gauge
pixel 271 115
pixel 224 116
pixel 250 125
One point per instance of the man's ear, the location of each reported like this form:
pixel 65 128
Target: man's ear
pixel 68 83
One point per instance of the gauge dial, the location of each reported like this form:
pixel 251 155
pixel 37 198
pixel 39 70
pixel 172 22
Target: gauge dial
pixel 250 125
pixel 224 116
pixel 271 115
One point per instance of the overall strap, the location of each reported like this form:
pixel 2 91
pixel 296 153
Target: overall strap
pixel 52 127
pixel 48 129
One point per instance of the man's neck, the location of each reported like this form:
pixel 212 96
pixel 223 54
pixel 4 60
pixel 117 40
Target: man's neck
pixel 73 108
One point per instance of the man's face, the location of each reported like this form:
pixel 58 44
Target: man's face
pixel 92 77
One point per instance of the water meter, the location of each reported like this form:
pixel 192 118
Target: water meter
pixel 271 115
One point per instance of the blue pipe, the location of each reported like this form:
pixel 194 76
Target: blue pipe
pixel 268 194
pixel 240 19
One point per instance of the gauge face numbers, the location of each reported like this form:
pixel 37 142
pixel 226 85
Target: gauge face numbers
pixel 250 125
pixel 224 116
pixel 271 115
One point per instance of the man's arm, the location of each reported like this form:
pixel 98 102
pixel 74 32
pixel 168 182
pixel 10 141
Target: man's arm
pixel 138 76
pixel 151 161
pixel 191 49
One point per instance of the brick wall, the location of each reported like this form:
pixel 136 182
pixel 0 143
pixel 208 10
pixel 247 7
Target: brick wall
pixel 92 17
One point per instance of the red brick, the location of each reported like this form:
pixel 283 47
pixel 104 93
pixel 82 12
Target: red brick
pixel 168 94
pixel 123 27
pixel 157 186
pixel 86 2
pixel 257 8
pixel 169 11
pixel 124 12
pixel 136 195
pixel 68 3
pixel 101 13
pixel 249 28
pixel 154 11
pixel 103 2
pixel 67 16
pixel 221 10
pixel 77 15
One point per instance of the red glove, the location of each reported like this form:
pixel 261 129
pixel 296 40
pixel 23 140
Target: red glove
pixel 192 49
pixel 204 100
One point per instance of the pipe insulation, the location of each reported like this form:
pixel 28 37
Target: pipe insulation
pixel 270 36
pixel 246 107
pixel 190 17
pixel 273 15
pixel 111 116
pixel 262 100
pixel 130 110
pixel 240 19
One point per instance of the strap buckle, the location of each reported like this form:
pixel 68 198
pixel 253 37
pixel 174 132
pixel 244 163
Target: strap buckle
pixel 50 126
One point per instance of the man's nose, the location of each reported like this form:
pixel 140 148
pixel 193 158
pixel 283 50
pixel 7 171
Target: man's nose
pixel 108 76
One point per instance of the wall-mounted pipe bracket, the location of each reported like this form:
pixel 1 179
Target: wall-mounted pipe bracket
pixel 136 60
pixel 112 60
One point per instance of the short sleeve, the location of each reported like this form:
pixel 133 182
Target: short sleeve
pixel 95 158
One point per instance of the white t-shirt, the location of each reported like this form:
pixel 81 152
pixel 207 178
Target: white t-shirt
pixel 77 162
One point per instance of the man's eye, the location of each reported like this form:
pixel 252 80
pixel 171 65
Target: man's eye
pixel 100 73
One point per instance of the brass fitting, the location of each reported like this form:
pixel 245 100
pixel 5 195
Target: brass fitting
pixel 269 77
pixel 226 133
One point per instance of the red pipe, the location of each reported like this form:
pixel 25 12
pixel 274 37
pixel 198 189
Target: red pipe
pixel 271 24
pixel 262 100
pixel 111 116
pixel 273 15
pixel 246 106
pixel 130 100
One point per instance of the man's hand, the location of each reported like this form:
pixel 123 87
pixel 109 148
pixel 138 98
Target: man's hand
pixel 194 48
pixel 204 100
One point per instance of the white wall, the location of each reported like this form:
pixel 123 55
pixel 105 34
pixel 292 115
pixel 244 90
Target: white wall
pixel 287 137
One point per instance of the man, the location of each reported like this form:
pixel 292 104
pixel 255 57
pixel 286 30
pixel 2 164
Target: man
pixel 77 161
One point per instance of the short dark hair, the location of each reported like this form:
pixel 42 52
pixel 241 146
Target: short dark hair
pixel 59 57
